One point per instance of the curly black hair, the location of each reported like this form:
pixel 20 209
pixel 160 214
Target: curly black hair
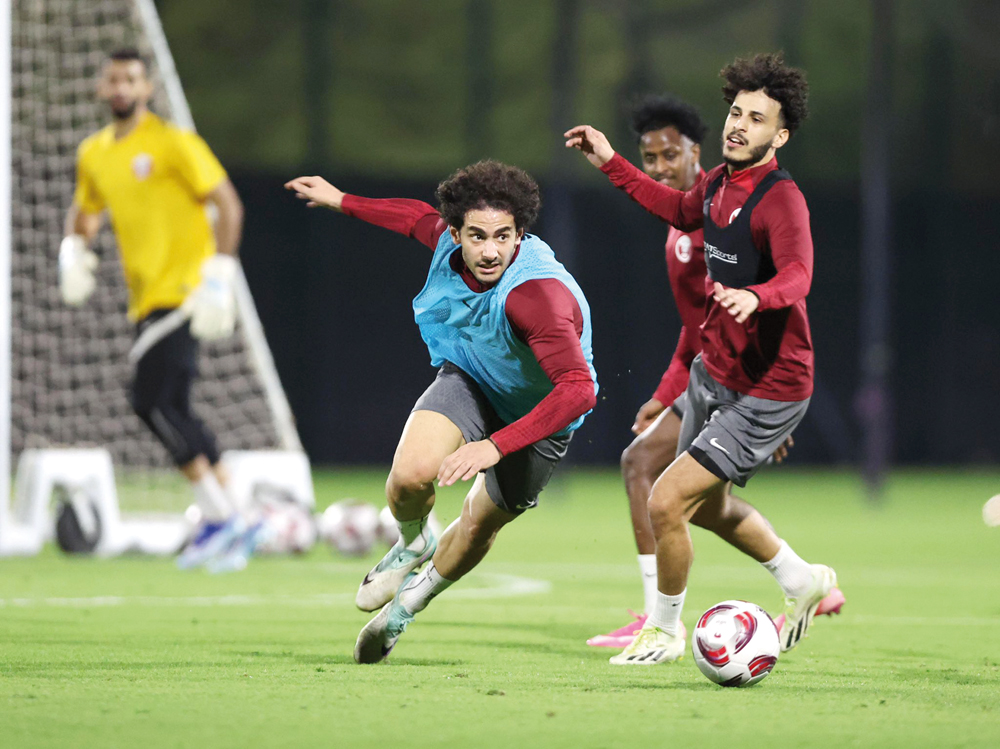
pixel 489 184
pixel 768 72
pixel 655 112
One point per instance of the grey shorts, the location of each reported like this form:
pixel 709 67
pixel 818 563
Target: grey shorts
pixel 516 481
pixel 679 406
pixel 732 434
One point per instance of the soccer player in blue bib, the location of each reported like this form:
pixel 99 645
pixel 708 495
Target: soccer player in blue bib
pixel 509 329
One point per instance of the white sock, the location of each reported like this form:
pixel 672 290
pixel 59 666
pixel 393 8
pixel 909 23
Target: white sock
pixel 647 567
pixel 422 588
pixel 793 574
pixel 666 614
pixel 211 498
pixel 414 533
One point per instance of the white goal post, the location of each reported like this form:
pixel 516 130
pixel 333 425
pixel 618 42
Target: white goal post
pixel 64 372
pixel 5 251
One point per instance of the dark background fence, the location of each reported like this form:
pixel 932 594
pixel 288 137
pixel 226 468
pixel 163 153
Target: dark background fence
pixel 334 295
pixel 386 97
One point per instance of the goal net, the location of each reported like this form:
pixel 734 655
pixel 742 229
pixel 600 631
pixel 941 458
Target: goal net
pixel 69 367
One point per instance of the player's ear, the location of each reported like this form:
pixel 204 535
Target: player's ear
pixel 456 235
pixel 520 236
pixel 696 152
pixel 781 138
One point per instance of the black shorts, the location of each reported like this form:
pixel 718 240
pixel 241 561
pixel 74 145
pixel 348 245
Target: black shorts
pixel 516 481
pixel 161 392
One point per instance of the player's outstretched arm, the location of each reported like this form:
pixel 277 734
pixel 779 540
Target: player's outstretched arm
pixel 680 209
pixel 411 218
pixel 76 262
pixel 318 192
pixel 591 142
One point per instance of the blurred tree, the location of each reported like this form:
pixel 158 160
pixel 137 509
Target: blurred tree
pixel 421 87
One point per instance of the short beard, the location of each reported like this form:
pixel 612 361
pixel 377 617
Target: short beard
pixel 124 114
pixel 756 155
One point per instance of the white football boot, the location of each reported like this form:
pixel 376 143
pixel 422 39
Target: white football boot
pixel 379 636
pixel 799 612
pixel 651 646
pixel 381 584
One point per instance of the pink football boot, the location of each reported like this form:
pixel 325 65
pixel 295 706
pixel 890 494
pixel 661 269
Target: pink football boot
pixel 828 606
pixel 620 638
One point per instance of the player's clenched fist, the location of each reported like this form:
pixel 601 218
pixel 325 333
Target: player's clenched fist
pixel 591 142
pixel 317 191
pixel 740 303
pixel 648 413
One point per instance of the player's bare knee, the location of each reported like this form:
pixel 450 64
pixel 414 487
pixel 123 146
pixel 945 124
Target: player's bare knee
pixel 637 461
pixel 666 506
pixel 412 478
pixel 628 461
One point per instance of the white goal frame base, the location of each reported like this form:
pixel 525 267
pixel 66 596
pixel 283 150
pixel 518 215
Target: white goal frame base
pixel 253 471
pixel 29 523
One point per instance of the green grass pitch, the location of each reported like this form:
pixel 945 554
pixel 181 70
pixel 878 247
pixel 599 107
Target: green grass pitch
pixel 133 653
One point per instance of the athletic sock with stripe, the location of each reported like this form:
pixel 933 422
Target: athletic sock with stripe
pixel 421 589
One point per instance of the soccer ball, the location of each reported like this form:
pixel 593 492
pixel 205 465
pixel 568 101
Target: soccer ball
pixel 289 528
pixel 735 643
pixel 350 526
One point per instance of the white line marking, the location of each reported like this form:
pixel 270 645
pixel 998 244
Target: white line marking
pixel 497 586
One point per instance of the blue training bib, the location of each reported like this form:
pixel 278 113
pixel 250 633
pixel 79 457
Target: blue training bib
pixel 471 329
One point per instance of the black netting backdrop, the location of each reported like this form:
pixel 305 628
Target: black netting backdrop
pixel 70 372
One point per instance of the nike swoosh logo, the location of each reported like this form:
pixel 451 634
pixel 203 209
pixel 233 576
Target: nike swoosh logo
pixel 368 579
pixel 714 442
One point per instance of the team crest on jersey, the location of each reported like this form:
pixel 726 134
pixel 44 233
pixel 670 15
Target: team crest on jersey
pixel 142 166
pixel 682 248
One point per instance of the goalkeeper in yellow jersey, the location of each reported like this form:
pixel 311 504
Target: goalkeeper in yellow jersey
pixel 155 180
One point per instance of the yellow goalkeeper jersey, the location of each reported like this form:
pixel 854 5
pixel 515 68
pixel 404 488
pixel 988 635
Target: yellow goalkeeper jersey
pixel 153 183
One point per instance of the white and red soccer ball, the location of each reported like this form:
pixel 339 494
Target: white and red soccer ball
pixel 288 528
pixel 353 527
pixel 735 644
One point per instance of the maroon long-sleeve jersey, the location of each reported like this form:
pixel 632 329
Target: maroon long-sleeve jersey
pixel 542 312
pixel 780 229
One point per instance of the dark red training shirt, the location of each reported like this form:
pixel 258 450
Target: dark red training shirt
pixel 686 270
pixel 780 228
pixel 542 312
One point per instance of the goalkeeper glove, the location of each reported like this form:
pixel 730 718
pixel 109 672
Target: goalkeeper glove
pixel 76 270
pixel 213 311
